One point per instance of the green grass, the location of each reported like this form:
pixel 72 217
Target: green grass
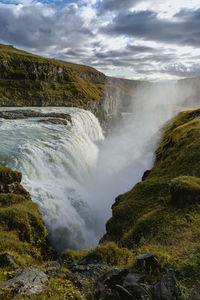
pixel 162 213
pixel 27 79
pixel 22 232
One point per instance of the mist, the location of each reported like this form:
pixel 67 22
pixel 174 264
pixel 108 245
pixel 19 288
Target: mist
pixel 129 148
pixel 74 173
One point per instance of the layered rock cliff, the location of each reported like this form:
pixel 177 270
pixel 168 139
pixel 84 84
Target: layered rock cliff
pixel 30 80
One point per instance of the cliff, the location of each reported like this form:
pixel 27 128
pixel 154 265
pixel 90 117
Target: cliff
pixel 31 80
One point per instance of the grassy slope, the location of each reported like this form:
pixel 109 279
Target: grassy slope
pixel 162 213
pixel 28 79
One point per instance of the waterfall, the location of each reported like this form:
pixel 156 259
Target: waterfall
pixel 55 161
pixel 74 174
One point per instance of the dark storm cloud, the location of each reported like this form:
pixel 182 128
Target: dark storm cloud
pixel 116 5
pixel 39 27
pixel 183 29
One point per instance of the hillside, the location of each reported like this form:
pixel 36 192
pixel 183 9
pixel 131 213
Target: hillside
pixel 31 80
pixel 161 214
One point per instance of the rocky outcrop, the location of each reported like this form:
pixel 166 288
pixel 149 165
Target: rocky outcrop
pixel 26 282
pixel 54 118
pixel 22 232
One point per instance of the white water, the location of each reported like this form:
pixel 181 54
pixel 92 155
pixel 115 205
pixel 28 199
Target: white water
pixel 74 174
pixel 55 161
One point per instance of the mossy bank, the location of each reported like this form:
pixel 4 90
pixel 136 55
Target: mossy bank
pixel 161 214
pixel 22 232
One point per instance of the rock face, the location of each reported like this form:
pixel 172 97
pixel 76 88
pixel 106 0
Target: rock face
pixel 27 282
pixel 22 231
pixel 166 289
pixel 31 80
pixel 53 118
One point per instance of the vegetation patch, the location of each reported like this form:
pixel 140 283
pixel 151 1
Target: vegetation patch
pixel 161 214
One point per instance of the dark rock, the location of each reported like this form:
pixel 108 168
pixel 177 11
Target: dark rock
pixel 55 121
pixel 23 114
pixel 53 268
pixel 132 278
pixel 113 295
pixel 123 293
pixel 195 293
pixel 53 264
pixel 8 188
pixel 7 261
pixel 115 277
pixel 28 281
pixel 140 291
pixel 166 289
pixel 107 276
pixel 146 174
pixel 79 284
pixel 147 261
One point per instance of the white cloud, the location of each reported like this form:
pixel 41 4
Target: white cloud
pixel 72 31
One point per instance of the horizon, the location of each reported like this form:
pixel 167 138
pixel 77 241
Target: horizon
pixel 137 40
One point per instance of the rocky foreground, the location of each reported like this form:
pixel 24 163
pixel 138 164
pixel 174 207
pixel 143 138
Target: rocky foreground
pixel 152 246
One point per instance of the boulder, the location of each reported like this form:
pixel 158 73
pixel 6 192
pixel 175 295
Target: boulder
pixel 166 289
pixel 29 281
pixel 140 291
pixel 132 278
pixel 123 293
pixel 115 277
pixel 147 261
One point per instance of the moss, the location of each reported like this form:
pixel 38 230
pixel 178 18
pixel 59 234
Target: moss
pixel 162 213
pixel 146 226
pixel 109 253
pixel 9 176
pixel 185 190
pixel 68 256
pixel 22 233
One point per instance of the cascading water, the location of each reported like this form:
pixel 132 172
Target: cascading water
pixel 73 173
pixel 55 161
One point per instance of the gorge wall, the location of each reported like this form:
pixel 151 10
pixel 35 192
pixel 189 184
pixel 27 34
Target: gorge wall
pixel 30 80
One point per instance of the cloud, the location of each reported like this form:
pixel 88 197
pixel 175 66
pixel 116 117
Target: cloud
pixel 182 70
pixel 116 5
pixel 43 26
pixel 183 29
pixel 122 36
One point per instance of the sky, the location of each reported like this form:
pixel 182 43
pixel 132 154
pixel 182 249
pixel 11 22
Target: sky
pixel 155 40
